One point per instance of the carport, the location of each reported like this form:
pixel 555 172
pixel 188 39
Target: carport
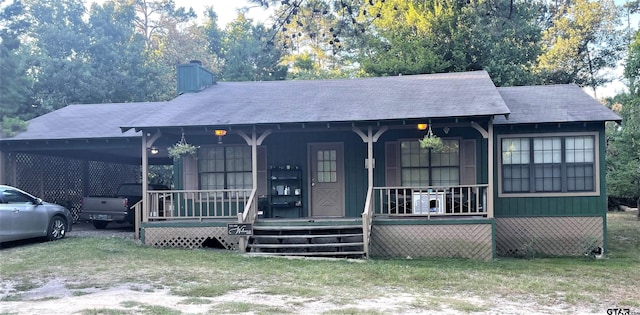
pixel 77 151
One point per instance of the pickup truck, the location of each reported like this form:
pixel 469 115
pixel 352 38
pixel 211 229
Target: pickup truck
pixel 102 210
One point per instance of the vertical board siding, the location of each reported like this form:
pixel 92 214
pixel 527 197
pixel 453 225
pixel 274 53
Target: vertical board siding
pixel 292 148
pixel 540 206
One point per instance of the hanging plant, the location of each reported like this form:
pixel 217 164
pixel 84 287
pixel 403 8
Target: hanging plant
pixel 182 148
pixel 431 141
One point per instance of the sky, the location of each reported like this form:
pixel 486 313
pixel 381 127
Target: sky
pixel 227 11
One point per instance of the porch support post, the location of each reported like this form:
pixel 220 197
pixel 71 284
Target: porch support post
pixel 490 145
pixel 147 143
pixel 488 134
pixel 370 138
pixel 13 166
pixel 145 179
pixel 254 141
pixel 3 165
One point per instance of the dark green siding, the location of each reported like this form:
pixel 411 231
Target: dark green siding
pixel 292 149
pixel 177 174
pixel 552 206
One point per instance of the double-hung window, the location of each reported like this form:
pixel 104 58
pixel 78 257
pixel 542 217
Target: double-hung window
pixel 225 167
pixel 548 164
pixel 423 167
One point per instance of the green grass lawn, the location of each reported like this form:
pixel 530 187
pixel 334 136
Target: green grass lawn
pixel 88 262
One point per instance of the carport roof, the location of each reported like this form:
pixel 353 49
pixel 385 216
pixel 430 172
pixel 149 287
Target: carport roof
pixel 462 94
pixel 552 104
pixel 86 121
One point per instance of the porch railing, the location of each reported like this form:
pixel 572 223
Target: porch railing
pixel 367 219
pixel 197 204
pixel 467 200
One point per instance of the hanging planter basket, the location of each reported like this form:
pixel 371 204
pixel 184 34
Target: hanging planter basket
pixel 182 148
pixel 431 141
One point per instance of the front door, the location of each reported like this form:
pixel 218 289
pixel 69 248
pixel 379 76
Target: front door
pixel 327 179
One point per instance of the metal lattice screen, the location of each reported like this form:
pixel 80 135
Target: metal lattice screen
pixel 551 236
pixel 448 240
pixel 66 181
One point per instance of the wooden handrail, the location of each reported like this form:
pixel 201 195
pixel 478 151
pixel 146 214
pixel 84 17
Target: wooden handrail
pixel 249 214
pixel 367 219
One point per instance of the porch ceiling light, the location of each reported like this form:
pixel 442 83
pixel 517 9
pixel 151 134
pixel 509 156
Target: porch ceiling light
pixel 220 133
pixel 422 126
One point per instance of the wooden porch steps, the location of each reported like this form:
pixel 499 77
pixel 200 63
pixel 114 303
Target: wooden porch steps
pixel 336 238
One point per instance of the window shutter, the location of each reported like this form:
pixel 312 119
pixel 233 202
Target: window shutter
pixel 190 172
pixel 392 175
pixel 468 165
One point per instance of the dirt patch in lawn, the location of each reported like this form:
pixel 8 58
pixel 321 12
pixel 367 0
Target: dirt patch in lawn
pixel 61 297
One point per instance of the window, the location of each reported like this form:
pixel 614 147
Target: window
pixel 553 164
pixel 422 167
pixel 15 197
pixel 327 166
pixel 225 167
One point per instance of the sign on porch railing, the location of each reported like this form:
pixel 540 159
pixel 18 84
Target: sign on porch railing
pixel 240 229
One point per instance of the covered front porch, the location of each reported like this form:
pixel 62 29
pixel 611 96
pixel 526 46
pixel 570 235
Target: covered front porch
pixel 451 223
pixel 333 150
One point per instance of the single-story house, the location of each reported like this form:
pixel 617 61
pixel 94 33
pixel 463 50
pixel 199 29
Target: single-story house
pixel 336 168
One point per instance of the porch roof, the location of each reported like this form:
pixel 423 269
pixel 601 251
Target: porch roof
pixel 552 104
pixel 463 94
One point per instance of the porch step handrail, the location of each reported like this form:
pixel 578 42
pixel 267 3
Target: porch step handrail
pixel 249 213
pixel 367 219
pixel 454 200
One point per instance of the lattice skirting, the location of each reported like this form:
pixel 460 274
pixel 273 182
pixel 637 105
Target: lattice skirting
pixel 189 237
pixel 548 236
pixel 473 241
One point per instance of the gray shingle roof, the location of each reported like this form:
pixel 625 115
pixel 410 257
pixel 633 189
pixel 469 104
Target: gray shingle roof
pixel 552 104
pixel 85 121
pixel 364 99
pixel 416 96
